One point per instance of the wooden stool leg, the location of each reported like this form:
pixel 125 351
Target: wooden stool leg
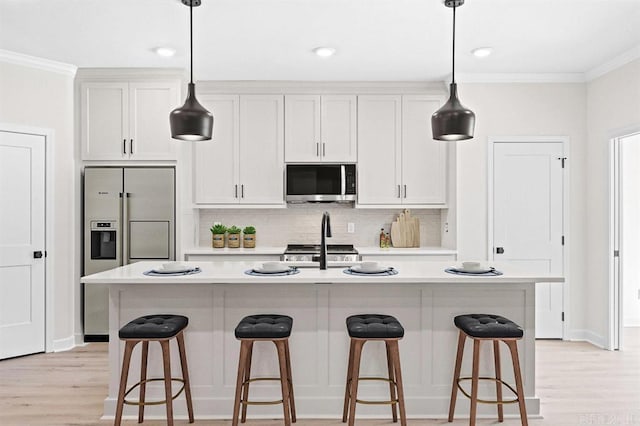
pixel 474 382
pixel 456 375
pixel 496 357
pixel 392 381
pixel 513 347
pixel 395 353
pixel 185 374
pixel 166 361
pixel 128 349
pixel 292 401
pixel 347 386
pixel 355 373
pixel 245 381
pixel 143 377
pixel 242 362
pixel 282 361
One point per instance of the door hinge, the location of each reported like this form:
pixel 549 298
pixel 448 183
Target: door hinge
pixel 616 253
pixel 563 317
pixel 562 160
pixel 563 240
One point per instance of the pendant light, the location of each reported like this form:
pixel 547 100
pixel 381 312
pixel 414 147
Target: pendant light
pixel 453 122
pixel 191 122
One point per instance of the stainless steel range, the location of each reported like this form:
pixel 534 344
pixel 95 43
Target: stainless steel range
pixel 311 253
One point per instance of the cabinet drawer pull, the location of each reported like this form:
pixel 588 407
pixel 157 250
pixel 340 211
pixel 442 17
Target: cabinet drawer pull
pixel 399 194
pixel 124 146
pixel 131 147
pixel 242 190
pixel 323 149
pixel 317 149
pixel 236 191
pixel 405 191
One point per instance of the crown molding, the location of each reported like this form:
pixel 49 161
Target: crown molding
pixel 38 63
pixel 576 77
pixel 615 63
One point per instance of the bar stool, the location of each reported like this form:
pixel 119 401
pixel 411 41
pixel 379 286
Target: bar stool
pixel 495 328
pixel 363 328
pixel 264 327
pixel 161 329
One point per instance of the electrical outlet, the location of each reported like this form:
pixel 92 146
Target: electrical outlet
pixel 351 227
pixel 446 227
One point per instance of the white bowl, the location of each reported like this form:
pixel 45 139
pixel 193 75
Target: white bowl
pixel 472 266
pixel 174 266
pixel 369 266
pixel 273 266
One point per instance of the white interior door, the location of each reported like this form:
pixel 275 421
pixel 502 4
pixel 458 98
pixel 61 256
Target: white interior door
pixel 22 234
pixel 528 219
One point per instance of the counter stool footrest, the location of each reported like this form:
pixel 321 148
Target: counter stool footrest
pixel 489 401
pixel 164 401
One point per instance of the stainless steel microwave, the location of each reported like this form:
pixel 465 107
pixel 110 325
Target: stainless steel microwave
pixel 320 183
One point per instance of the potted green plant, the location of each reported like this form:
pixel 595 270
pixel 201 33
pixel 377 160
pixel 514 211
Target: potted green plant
pixel 233 237
pixel 249 238
pixel 217 235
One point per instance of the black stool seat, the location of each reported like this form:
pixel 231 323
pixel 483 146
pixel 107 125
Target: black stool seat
pixel 374 326
pixel 488 326
pixel 264 326
pixel 160 326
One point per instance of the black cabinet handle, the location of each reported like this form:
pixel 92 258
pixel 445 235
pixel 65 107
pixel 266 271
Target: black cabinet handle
pixel 37 254
pixel 499 250
pixel 131 147
pixel 124 146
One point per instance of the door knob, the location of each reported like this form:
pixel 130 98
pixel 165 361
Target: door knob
pixel 500 250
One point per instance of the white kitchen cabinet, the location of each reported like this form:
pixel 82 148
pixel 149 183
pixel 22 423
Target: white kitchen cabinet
pixel 398 161
pixel 320 128
pixel 244 162
pixel 122 120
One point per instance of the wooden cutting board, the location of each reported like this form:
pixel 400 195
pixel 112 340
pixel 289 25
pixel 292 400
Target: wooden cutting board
pixel 405 231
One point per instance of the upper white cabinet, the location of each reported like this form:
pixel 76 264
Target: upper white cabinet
pixel 128 120
pixel 320 128
pixel 244 162
pixel 398 161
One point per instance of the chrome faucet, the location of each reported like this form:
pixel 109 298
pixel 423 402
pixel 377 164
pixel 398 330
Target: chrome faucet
pixel 325 231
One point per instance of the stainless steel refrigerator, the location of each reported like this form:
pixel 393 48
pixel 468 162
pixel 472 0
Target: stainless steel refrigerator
pixel 129 216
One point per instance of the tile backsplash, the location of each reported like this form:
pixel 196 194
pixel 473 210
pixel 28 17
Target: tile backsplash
pixel 300 223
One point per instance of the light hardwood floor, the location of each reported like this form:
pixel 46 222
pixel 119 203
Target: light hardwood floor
pixel 577 383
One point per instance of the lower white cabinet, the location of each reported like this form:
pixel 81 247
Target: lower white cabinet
pixel 391 258
pixel 244 162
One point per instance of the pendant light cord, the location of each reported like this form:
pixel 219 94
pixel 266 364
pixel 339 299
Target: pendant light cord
pixel 191 35
pixel 453 59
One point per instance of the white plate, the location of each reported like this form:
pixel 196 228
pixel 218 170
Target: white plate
pixel 162 270
pixel 482 270
pixel 279 270
pixel 379 269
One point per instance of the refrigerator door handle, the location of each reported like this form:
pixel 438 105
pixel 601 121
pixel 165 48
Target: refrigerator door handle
pixel 125 228
pixel 120 243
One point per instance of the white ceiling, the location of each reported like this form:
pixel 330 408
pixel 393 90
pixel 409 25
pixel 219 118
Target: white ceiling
pixel 396 40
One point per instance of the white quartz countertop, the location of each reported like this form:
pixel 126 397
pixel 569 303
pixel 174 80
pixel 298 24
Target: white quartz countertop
pixel 361 250
pixel 233 272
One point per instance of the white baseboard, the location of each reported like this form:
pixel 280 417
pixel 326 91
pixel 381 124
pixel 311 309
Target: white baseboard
pixel 586 336
pixel 65 344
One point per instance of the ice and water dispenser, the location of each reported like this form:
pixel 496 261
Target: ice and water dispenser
pixel 103 239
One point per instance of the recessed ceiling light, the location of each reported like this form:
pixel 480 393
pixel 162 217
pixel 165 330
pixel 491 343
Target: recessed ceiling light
pixel 482 52
pixel 324 52
pixel 165 51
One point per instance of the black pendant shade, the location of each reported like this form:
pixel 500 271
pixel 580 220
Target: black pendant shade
pixel 191 122
pixel 453 122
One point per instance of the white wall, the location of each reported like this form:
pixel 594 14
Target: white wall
pixel 39 98
pixel 630 237
pixel 525 109
pixel 613 104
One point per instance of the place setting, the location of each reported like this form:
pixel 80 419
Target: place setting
pixel 473 269
pixel 173 269
pixel 272 269
pixel 370 269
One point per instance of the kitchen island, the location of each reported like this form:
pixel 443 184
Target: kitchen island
pixel 422 296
